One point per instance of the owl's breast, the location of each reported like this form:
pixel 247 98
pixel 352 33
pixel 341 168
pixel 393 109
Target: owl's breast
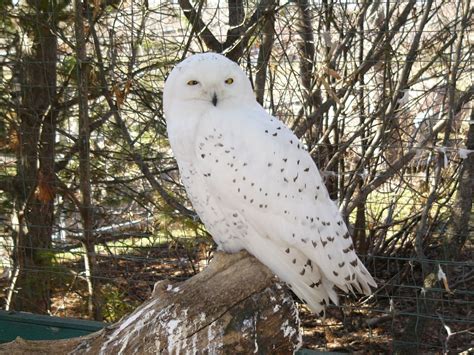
pixel 196 137
pixel 227 230
pixel 187 124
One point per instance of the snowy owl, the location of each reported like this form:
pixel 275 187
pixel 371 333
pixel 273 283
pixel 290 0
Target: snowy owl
pixel 254 185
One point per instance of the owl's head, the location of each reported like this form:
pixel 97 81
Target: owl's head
pixel 207 79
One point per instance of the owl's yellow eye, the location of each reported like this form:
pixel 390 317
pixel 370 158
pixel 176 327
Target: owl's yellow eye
pixel 229 81
pixel 193 82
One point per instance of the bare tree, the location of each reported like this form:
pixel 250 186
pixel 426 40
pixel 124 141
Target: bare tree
pixel 35 179
pixel 378 92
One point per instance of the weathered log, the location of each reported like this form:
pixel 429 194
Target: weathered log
pixel 234 306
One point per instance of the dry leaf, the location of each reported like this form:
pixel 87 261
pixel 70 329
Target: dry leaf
pixel 96 10
pixel 333 73
pixel 44 190
pixel 13 139
pixel 119 97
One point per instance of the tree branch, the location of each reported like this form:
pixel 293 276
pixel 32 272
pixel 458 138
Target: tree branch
pixel 200 27
pixel 126 135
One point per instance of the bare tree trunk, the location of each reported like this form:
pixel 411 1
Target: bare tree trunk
pixel 88 241
pixel 360 236
pixel 236 18
pixel 306 49
pixel 458 231
pixel 30 291
pixel 264 54
pixel 234 306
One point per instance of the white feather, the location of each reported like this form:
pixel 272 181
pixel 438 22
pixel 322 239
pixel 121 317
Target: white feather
pixel 253 184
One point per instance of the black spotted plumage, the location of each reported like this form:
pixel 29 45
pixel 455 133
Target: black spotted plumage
pixel 261 188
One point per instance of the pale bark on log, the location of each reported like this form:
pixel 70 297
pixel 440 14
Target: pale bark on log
pixel 234 306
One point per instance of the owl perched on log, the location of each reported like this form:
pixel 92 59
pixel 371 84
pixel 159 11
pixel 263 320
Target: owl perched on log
pixel 254 185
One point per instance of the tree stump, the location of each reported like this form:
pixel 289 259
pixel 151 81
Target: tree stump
pixel 234 306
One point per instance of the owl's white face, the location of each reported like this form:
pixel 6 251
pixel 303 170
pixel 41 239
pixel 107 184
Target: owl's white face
pixel 207 80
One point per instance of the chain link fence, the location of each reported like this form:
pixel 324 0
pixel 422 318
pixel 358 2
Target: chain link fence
pixel 380 93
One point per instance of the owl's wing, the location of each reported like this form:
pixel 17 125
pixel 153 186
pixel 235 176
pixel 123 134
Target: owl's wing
pixel 256 168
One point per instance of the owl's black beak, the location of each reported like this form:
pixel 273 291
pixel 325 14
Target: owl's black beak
pixel 214 99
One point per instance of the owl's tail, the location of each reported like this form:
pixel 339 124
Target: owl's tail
pixel 293 267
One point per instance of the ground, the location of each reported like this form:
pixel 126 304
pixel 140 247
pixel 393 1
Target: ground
pixel 127 280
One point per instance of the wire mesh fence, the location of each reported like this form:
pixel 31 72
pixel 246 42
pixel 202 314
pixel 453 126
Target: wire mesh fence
pixel 380 93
